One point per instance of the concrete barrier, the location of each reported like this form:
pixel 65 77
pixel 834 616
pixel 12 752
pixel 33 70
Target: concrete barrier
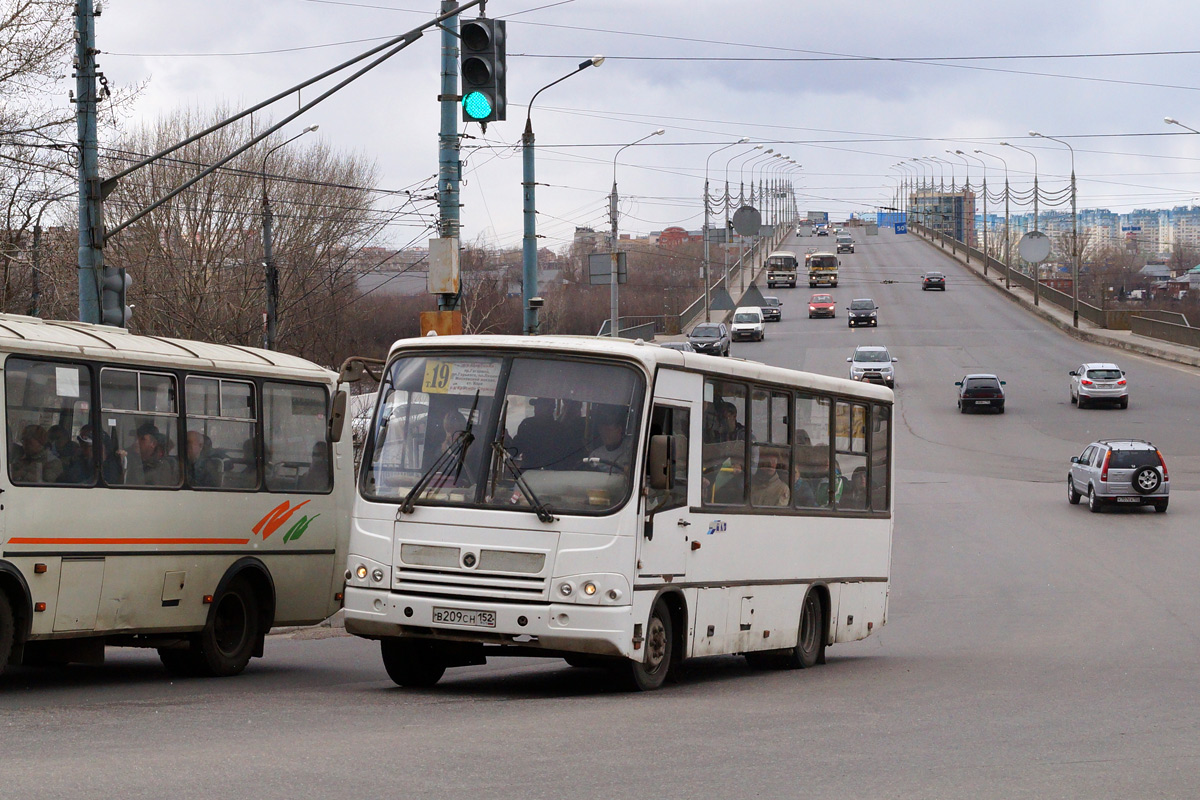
pixel 1167 331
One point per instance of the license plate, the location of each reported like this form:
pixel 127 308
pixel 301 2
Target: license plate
pixel 464 616
pixel 1129 499
pixel 983 402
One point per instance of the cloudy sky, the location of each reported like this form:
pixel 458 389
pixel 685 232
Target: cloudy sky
pixel 845 90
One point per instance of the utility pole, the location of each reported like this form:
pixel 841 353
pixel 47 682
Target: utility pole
pixel 91 223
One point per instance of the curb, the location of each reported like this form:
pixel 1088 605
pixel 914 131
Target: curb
pixel 1093 337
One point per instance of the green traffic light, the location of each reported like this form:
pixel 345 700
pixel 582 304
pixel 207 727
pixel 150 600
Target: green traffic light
pixel 477 105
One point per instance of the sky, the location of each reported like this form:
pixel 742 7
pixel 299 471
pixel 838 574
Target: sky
pixel 847 91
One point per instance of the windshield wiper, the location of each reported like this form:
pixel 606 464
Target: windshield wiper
pixel 456 451
pixel 503 455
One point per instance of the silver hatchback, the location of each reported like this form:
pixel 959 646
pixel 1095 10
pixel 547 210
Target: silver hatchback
pixel 1119 472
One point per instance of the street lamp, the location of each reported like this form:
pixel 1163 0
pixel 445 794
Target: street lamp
pixel 1074 233
pixel 1173 121
pixel 728 203
pixel 1037 271
pixel 986 255
pixel 1007 240
pixel 967 231
pixel 529 270
pixel 742 140
pixel 271 276
pixel 612 212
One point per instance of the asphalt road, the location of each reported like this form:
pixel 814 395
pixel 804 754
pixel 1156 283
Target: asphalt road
pixel 1033 649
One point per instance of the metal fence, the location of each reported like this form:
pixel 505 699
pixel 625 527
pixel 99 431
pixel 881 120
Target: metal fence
pixel 643 328
pixel 1166 331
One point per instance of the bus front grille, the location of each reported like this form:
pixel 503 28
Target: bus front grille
pixel 469 584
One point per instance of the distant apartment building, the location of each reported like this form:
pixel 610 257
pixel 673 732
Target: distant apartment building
pixel 951 213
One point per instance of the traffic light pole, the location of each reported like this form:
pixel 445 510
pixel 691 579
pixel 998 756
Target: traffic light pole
pixel 91 226
pixel 449 165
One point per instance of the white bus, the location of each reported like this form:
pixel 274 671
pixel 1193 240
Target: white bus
pixel 162 493
pixel 616 503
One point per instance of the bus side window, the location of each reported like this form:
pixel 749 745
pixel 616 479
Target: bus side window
pixel 672 422
pixel 724 448
pixel 880 457
pixel 48 422
pixel 296 455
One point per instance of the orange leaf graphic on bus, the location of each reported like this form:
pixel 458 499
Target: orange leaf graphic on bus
pixel 276 517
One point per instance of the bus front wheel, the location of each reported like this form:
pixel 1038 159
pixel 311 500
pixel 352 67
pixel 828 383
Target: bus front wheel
pixel 227 643
pixel 412 662
pixel 649 674
pixel 810 644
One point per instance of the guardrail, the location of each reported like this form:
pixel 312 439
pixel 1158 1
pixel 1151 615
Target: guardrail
pixel 643 328
pixel 1166 331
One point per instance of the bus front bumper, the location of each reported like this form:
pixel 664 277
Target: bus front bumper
pixel 567 627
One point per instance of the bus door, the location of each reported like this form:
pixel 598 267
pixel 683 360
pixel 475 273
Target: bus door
pixel 667 526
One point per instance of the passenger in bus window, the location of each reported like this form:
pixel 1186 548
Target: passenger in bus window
pixel 157 468
pixel 82 466
pixel 58 442
pixel 766 487
pixel 728 428
pixel 35 464
pixel 204 468
pixel 613 454
pixel 316 479
pixel 811 486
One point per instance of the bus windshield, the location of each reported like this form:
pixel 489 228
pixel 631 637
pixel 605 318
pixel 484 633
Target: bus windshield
pixel 823 262
pixel 459 429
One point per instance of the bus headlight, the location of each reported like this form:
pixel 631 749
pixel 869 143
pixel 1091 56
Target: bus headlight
pixel 361 572
pixel 596 589
pixel 377 575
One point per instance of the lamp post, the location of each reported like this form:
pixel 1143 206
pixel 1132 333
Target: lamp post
pixel 529 270
pixel 987 256
pixel 728 203
pixel 1037 276
pixel 1074 232
pixel 1007 239
pixel 271 276
pixel 967 231
pixel 743 140
pixel 742 239
pixel 612 211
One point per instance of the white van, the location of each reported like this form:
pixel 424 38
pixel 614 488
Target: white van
pixel 748 324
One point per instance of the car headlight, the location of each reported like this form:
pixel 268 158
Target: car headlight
pixel 872 313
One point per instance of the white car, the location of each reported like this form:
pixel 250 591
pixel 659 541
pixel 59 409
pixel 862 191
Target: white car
pixel 873 363
pixel 748 324
pixel 1099 383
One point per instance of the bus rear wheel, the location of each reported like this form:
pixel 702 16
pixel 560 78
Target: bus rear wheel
pixel 8 629
pixel 810 643
pixel 412 662
pixel 649 674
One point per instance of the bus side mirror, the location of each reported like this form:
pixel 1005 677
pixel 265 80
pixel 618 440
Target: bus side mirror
pixel 660 467
pixel 337 416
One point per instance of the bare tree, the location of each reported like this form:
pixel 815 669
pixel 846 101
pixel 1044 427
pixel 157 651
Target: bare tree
pixel 197 261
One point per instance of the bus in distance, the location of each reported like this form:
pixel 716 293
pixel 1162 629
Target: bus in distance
pixel 615 503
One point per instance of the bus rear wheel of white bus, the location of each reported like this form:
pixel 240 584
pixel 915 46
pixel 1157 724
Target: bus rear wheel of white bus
pixel 810 641
pixel 649 674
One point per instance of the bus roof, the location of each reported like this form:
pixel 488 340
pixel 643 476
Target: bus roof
pixel 36 336
pixel 650 356
pixel 781 254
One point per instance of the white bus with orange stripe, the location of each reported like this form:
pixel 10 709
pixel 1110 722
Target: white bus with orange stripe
pixel 616 504
pixel 161 493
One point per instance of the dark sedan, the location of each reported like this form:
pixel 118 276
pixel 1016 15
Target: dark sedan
pixel 710 337
pixel 862 311
pixel 980 391
pixel 933 280
pixel 772 309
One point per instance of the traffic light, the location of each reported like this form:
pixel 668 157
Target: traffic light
pixel 482 66
pixel 114 284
